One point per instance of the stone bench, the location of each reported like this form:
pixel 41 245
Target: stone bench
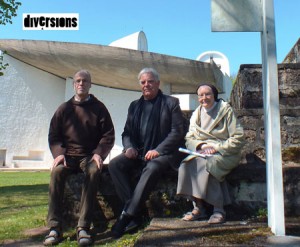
pixel 244 183
pixel 247 186
pixel 162 201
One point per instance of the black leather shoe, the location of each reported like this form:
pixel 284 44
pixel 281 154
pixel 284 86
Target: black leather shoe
pixel 133 224
pixel 119 227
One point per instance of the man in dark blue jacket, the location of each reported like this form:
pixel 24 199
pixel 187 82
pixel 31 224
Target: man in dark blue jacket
pixel 153 132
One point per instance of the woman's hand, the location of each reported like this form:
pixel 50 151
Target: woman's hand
pixel 206 149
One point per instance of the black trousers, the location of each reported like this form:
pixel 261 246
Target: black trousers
pixel 122 169
pixel 89 190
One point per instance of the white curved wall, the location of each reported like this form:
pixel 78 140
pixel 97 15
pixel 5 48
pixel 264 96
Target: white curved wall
pixel 28 98
pixel 135 41
pixel 219 58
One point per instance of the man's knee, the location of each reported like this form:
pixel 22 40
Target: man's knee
pixel 118 163
pixel 112 165
pixel 112 168
pixel 155 167
pixel 93 170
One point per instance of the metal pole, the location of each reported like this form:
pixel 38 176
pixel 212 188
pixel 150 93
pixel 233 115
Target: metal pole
pixel 272 121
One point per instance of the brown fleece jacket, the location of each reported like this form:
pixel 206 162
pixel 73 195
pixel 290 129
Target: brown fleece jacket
pixel 81 128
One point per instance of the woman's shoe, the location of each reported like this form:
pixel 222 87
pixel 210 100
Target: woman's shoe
pixel 216 218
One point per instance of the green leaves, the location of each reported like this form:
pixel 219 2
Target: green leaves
pixel 8 10
pixel 2 66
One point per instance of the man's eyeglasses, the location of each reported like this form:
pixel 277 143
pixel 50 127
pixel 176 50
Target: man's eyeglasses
pixel 146 81
pixel 81 81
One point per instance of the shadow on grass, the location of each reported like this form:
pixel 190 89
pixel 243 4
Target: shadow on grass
pixel 36 188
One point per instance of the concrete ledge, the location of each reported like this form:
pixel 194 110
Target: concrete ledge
pixel 30 164
pixel 175 232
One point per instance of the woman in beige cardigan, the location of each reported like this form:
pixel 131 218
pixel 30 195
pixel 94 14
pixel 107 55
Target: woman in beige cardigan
pixel 216 133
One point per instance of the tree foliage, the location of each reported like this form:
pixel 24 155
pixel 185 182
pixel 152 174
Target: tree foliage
pixel 2 66
pixel 8 10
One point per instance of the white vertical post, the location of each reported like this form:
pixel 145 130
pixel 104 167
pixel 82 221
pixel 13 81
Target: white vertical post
pixel 272 121
pixel 258 16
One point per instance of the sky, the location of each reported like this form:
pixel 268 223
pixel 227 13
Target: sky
pixel 180 28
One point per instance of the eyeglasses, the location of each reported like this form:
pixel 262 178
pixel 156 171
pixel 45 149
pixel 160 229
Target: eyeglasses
pixel 201 96
pixel 146 81
pixel 81 81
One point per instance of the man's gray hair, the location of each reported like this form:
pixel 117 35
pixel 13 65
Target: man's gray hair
pixel 84 72
pixel 151 71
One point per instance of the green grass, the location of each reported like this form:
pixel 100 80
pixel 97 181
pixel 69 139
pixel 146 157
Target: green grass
pixel 23 202
pixel 24 205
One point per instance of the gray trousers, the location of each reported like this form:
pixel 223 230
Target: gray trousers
pixel 89 190
pixel 122 170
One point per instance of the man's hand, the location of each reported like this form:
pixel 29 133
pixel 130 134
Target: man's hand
pixel 60 159
pixel 99 162
pixel 151 154
pixel 131 153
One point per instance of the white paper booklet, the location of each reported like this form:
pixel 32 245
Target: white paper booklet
pixel 183 150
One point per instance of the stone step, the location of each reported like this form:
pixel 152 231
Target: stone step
pixel 176 232
pixel 31 164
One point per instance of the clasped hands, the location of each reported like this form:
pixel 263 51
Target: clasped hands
pixel 206 149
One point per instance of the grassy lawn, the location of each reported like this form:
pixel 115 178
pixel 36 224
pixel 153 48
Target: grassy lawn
pixel 24 205
pixel 23 202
